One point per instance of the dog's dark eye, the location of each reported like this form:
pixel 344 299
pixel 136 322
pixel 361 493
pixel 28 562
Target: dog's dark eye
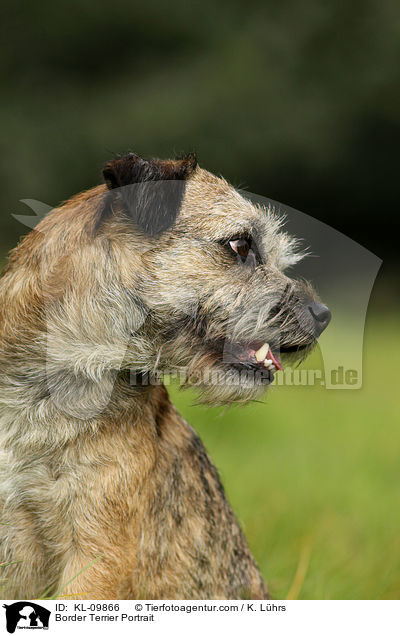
pixel 241 246
pixel 244 249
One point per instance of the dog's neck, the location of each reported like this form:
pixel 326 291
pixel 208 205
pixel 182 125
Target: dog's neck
pixel 48 424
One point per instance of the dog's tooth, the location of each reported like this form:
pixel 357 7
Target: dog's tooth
pixel 261 354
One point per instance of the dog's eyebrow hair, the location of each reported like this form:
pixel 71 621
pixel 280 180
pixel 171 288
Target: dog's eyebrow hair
pixel 252 230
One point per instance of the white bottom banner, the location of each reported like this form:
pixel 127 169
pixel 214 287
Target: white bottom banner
pixel 148 617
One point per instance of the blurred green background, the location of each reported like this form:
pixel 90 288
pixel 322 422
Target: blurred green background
pixel 296 101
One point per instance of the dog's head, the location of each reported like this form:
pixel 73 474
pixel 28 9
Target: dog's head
pixel 208 272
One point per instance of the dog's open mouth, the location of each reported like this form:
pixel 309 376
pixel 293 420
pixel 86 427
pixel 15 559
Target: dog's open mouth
pixel 264 357
pixel 260 355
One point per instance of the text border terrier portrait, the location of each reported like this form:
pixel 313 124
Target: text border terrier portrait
pixel 105 491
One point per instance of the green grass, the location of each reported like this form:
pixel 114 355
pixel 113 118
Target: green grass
pixel 313 476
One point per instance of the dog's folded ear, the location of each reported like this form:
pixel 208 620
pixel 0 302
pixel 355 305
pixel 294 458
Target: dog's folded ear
pixel 151 190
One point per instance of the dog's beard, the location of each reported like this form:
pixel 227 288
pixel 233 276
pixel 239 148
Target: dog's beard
pixel 222 371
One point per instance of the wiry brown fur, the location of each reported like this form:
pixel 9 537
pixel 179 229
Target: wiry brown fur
pixel 94 470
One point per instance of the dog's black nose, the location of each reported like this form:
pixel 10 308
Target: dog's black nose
pixel 321 315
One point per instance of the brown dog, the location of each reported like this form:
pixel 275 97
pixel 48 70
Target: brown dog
pixel 165 268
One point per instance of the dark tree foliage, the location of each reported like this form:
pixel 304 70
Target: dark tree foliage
pixel 295 101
